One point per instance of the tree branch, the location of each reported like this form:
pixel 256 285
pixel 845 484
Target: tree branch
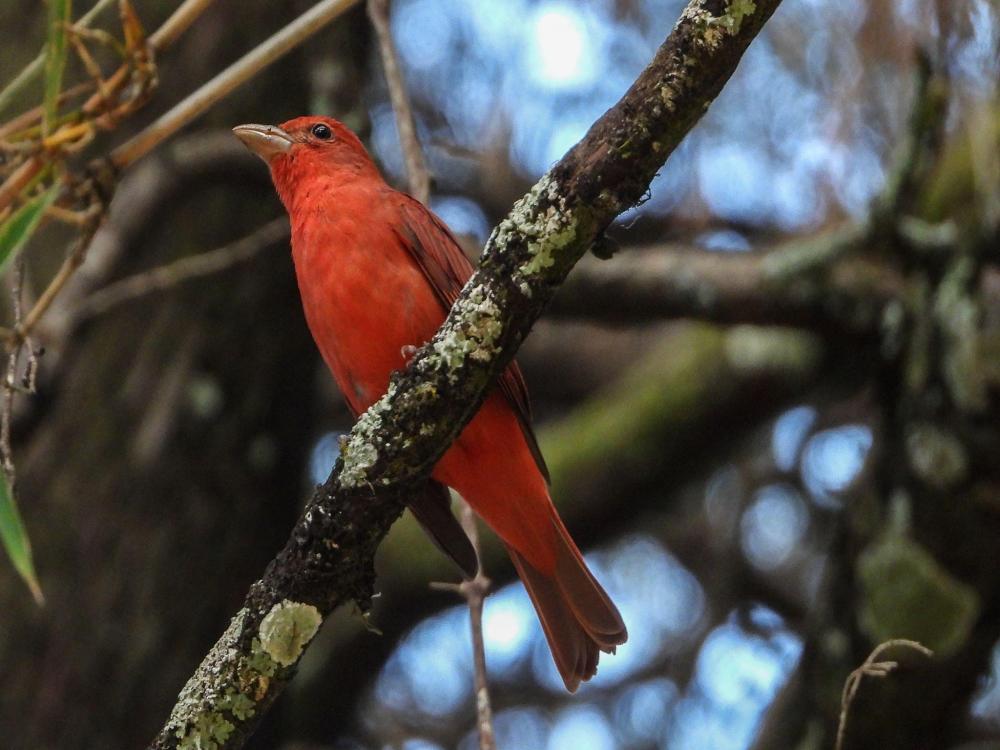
pixel 185 269
pixel 393 447
pixel 779 286
pixel 417 176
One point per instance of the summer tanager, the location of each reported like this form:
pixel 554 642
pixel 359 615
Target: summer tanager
pixel 378 272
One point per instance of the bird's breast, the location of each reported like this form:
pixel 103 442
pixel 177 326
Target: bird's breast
pixel 365 299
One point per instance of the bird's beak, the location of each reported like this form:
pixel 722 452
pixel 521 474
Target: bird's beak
pixel 267 141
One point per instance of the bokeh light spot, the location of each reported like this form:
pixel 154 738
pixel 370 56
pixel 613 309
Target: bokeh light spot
pixel 790 430
pixel 773 526
pixel 832 459
pixel 559 47
pixel 323 456
pixel 582 728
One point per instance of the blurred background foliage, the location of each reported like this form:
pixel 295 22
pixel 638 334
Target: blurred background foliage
pixel 753 497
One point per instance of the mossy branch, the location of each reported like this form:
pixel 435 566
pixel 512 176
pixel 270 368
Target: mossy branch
pixel 328 559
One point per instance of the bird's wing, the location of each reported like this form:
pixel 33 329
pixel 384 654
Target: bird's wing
pixel 447 268
pixel 431 506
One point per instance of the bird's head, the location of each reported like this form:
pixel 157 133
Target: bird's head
pixel 305 147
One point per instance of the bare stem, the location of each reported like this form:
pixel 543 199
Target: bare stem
pixel 475 592
pixel 228 80
pixel 178 23
pixel 185 269
pixel 416 167
pixel 76 256
pixel 26 119
pixel 21 176
pixel 871 667
pixel 7 408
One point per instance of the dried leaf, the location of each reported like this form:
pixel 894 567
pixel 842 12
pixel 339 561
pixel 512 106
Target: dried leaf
pixel 135 35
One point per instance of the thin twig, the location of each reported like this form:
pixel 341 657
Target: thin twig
pixel 474 592
pixel 413 155
pixel 28 118
pixel 20 177
pixel 7 408
pixel 178 23
pixel 231 78
pixel 10 386
pixel 183 270
pixel 74 259
pixel 871 668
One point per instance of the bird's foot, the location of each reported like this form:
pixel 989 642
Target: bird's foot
pixel 408 351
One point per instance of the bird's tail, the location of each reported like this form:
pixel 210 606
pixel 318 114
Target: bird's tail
pixel 577 616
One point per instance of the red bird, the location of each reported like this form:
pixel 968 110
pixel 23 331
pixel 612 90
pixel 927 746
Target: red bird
pixel 378 272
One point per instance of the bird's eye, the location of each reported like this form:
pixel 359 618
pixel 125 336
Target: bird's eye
pixel 322 132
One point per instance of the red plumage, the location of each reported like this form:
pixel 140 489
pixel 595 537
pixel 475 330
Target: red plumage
pixel 377 272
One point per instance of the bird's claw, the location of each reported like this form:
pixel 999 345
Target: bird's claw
pixel 408 351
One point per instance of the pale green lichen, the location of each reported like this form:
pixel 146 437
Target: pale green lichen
pixel 209 732
pixel 667 95
pixel 362 457
pixel 710 34
pixel 936 455
pixel 905 593
pixel 259 662
pixel 543 251
pixel 546 232
pixel 358 450
pixel 477 334
pixel 714 28
pixel 202 717
pixel 736 11
pixel 239 705
pixel 228 685
pixel 287 629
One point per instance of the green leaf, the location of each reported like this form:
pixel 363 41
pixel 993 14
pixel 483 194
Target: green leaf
pixel 55 59
pixel 22 224
pixel 15 540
